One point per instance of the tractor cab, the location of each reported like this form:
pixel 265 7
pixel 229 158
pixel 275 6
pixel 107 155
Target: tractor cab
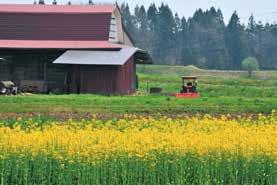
pixel 189 88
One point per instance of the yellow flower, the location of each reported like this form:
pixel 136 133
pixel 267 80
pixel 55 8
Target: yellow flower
pixel 143 137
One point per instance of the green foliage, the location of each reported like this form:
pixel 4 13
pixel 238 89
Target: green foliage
pixel 221 92
pixel 203 39
pixel 41 2
pixel 237 47
pixel 188 169
pixel 250 64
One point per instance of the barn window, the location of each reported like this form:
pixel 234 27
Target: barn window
pixel 113 30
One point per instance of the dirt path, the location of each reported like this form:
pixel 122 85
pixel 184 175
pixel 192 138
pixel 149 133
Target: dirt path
pixel 64 116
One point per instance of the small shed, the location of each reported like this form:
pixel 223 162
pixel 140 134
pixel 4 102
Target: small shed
pixel 99 71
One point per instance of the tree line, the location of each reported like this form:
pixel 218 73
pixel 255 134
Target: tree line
pixel 203 40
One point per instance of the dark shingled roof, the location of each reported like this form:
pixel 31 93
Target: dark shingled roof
pixel 55 22
pixel 31 8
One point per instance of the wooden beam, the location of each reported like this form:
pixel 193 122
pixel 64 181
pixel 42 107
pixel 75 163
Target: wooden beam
pixel 45 76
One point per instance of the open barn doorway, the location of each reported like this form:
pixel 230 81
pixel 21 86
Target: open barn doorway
pixel 6 68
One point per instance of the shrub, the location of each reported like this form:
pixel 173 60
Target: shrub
pixel 250 64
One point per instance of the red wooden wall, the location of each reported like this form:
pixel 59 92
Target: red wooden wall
pixel 126 78
pixel 22 26
pixel 108 79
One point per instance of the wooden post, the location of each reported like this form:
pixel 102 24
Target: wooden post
pixel 11 66
pixel 45 76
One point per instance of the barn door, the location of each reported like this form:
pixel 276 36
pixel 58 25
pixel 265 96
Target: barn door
pixel 78 78
pixel 73 79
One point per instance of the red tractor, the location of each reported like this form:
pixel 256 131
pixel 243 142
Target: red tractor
pixel 189 88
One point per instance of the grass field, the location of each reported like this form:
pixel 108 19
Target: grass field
pixel 222 92
pixel 228 136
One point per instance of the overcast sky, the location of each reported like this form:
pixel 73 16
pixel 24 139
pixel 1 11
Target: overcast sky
pixel 264 10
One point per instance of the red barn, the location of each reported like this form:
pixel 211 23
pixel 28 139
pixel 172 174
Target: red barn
pixel 68 49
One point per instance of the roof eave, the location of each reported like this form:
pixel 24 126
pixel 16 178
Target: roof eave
pixel 146 57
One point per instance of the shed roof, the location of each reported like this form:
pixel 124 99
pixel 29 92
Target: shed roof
pixel 78 57
pixel 31 8
pixel 57 44
pixel 189 77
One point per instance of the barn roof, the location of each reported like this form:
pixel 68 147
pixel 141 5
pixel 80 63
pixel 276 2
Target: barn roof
pixel 55 22
pixel 119 57
pixel 74 27
pixel 28 8
pixel 57 44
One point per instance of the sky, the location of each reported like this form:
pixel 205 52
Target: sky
pixel 263 10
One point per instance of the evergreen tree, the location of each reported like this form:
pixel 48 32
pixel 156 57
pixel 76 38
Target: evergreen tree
pixel 152 25
pixel 41 2
pixel 177 21
pixel 198 16
pixel 165 33
pixel 152 17
pixel 143 42
pixel 203 40
pixel 125 10
pixel 235 42
pixel 253 36
pixel 214 48
pixel 128 20
pixel 251 28
pixel 177 32
pixel 185 53
pixel 142 19
pixel 195 32
pixel 136 17
pixel 90 2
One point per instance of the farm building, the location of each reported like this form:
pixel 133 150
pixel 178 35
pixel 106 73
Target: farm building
pixel 68 49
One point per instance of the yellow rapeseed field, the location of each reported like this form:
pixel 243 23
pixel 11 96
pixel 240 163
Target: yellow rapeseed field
pixel 143 137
